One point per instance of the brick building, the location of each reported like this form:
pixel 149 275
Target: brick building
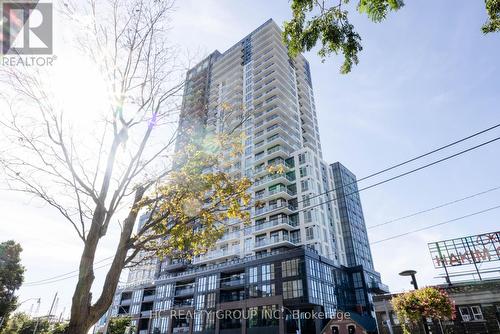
pixel 477 310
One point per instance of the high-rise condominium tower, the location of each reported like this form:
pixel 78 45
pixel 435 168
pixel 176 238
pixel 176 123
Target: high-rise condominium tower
pixel 293 256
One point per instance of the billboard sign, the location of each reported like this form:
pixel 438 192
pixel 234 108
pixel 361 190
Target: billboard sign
pixel 466 250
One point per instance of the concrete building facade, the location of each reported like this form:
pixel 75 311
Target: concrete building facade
pixel 292 258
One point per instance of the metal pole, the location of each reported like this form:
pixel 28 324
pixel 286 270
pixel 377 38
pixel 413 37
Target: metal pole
pixel 444 265
pixel 38 318
pixel 389 322
pixel 52 306
pixel 414 281
pixel 36 326
pixel 473 259
pixel 424 320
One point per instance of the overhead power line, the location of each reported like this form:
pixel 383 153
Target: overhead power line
pixel 433 208
pixel 54 279
pixel 62 275
pixel 413 159
pixel 430 152
pixel 434 225
pixel 407 173
pixel 59 278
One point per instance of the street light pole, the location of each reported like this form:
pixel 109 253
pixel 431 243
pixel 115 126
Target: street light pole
pixel 412 273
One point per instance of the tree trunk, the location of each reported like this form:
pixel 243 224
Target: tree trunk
pixel 80 320
pixel 83 314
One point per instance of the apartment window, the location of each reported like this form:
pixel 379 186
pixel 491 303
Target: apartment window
pixel 137 296
pixel 268 316
pixel 248 244
pixel 290 268
pixel 315 289
pixel 267 272
pixel 471 313
pixel 267 290
pixel 306 201
pixel 210 324
pixel 211 300
pixel 198 322
pixel 308 216
pixel 135 309
pixel 160 324
pixel 303 171
pixel 252 275
pixel 304 185
pixel 253 291
pixel 200 302
pixel 309 233
pixel 253 319
pixel 302 158
pixel 292 289
pixel 212 282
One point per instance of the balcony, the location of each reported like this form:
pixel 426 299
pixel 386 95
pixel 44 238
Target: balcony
pixel 280 192
pixel 277 223
pixel 184 303
pixel 184 291
pixel 228 236
pixel 184 329
pixel 378 287
pixel 233 281
pixel 217 255
pixel 273 179
pixel 175 265
pixel 146 314
pixel 274 208
pixel 277 240
pixel 149 298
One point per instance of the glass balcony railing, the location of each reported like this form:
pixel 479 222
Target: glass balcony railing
pixel 217 254
pixel 184 291
pixel 280 190
pixel 230 235
pixel 233 281
pixel 272 177
pixel 276 239
pixel 184 303
pixel 273 208
pixel 273 222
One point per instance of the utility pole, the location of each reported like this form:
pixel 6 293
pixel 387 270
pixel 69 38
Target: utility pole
pixel 62 314
pixel 54 301
pixel 38 318
pixel 50 311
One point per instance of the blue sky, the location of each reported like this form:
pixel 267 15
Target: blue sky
pixel 427 76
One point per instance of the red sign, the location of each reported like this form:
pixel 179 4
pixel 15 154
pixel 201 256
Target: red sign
pixel 466 250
